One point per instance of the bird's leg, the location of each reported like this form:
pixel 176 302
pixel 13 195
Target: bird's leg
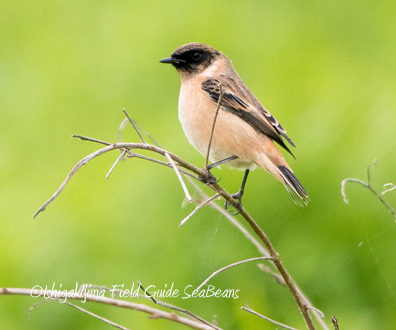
pixel 238 195
pixel 221 162
pixel 209 176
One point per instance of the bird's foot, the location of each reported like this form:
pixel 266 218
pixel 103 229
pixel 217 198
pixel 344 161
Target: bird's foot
pixel 209 178
pixel 237 196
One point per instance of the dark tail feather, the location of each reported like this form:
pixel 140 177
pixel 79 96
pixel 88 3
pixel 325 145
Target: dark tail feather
pixel 294 187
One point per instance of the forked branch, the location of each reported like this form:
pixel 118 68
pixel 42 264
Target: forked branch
pixel 369 187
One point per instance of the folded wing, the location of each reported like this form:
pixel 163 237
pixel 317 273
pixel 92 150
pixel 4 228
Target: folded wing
pixel 251 111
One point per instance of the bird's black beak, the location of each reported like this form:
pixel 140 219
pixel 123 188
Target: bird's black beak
pixel 171 60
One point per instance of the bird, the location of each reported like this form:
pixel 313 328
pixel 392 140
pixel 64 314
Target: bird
pixel 244 133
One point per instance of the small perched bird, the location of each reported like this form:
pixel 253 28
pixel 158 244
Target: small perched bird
pixel 244 131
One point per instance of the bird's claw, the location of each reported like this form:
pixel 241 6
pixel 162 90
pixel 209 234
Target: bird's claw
pixel 237 196
pixel 209 178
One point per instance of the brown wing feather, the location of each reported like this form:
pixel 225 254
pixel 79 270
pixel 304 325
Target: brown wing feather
pixel 260 119
pixel 241 90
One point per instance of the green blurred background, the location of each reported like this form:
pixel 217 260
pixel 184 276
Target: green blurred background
pixel 327 72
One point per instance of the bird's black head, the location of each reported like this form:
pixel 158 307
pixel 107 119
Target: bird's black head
pixel 192 59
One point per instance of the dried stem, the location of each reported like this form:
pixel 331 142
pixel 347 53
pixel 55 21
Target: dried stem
pixel 135 155
pixel 153 312
pixel 317 310
pixel 85 138
pixel 213 125
pixel 115 163
pixel 179 177
pixel 134 126
pixel 228 267
pixel 181 310
pixel 198 208
pixel 368 186
pixel 82 310
pixel 268 270
pixel 267 318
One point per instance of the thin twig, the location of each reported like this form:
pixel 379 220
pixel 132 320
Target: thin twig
pixel 368 186
pixel 267 318
pixel 135 155
pixel 179 177
pixel 74 170
pixel 110 147
pixel 33 306
pixel 318 311
pixel 103 319
pixel 198 208
pixel 139 128
pixel 181 310
pixel 213 126
pixel 133 124
pixel 268 270
pixel 228 267
pixel 115 163
pixel 85 138
pixel 152 138
pixel 154 312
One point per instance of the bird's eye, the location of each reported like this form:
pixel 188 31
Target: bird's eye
pixel 196 56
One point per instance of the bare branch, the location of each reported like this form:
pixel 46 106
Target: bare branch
pixel 115 163
pixel 213 126
pixel 368 186
pixel 267 318
pixel 153 312
pixel 179 177
pixel 110 147
pixel 228 267
pixel 76 167
pixel 133 124
pixel 198 208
